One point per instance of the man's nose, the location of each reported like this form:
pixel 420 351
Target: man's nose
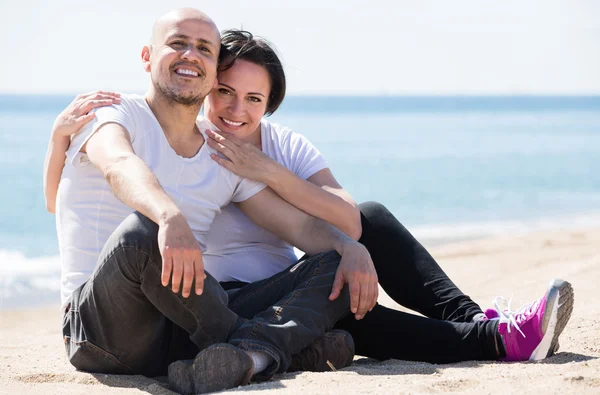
pixel 191 54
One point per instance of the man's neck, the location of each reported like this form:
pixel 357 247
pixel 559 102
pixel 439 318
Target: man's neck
pixel 177 121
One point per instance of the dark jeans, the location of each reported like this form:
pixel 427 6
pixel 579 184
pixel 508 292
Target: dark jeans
pixel 122 320
pixel 412 278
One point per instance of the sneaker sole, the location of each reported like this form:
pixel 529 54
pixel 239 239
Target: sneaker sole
pixel 220 367
pixel 181 379
pixel 559 306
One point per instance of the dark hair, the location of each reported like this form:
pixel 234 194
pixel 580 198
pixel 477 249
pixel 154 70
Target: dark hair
pixel 240 44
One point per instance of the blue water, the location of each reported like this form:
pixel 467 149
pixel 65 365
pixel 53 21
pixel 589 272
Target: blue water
pixel 441 164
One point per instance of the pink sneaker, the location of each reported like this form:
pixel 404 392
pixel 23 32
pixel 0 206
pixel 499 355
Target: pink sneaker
pixel 531 333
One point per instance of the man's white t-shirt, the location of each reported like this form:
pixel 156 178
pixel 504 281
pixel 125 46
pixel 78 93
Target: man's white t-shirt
pixel 238 249
pixel 87 212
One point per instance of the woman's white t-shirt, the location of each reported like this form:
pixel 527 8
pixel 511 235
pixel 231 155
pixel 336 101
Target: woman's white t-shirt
pixel 236 248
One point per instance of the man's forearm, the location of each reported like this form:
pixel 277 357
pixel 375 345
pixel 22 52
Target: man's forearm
pixel 134 184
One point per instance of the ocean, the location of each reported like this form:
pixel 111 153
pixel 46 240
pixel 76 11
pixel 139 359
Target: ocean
pixel 448 167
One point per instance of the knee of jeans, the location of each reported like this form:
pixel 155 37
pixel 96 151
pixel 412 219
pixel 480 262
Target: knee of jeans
pixel 137 231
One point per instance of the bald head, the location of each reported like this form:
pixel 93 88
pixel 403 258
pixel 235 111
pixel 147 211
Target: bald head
pixel 171 19
pixel 182 56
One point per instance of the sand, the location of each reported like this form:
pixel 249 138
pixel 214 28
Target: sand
pixel 32 358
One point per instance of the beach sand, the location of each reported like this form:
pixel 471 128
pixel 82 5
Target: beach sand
pixel 32 357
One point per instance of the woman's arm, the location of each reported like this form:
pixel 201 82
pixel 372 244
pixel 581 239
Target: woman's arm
pixel 320 196
pixel 70 121
pixel 53 165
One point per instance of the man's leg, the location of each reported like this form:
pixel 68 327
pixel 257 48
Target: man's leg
pixel 407 272
pixel 289 311
pixel 120 321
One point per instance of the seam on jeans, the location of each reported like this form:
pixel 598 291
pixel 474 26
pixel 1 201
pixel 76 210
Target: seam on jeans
pixel 279 309
pixel 259 290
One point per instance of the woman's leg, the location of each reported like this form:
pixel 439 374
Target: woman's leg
pixel 386 333
pixel 531 333
pixel 407 272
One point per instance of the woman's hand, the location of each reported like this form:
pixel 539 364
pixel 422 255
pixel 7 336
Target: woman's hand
pixel 244 159
pixel 77 114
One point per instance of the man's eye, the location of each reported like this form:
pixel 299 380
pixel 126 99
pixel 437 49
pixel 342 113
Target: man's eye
pixel 177 43
pixel 202 48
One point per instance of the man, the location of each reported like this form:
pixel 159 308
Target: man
pixel 117 263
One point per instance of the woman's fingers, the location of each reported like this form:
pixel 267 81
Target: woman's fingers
pixel 82 120
pixel 228 152
pixel 228 142
pixel 98 93
pixel 89 105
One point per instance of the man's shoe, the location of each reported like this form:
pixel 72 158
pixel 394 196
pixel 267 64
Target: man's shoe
pixel 531 333
pixel 216 368
pixel 335 350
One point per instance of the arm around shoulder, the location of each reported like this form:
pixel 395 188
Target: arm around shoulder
pixel 310 234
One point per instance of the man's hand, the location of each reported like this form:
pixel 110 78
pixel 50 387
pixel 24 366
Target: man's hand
pixel 356 268
pixel 181 255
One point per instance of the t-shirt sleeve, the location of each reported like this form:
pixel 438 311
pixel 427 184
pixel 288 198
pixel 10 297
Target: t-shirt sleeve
pixel 117 113
pixel 304 159
pixel 246 189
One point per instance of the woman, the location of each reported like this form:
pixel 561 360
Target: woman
pixel 252 85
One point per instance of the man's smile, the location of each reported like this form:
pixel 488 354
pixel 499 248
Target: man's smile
pixel 188 71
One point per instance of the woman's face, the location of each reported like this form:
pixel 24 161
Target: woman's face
pixel 239 101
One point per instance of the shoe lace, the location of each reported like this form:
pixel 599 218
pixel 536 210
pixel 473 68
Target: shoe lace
pixel 513 317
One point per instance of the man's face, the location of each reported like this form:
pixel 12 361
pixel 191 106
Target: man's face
pixel 182 60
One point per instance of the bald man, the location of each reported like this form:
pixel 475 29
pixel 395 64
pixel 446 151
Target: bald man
pixel 135 294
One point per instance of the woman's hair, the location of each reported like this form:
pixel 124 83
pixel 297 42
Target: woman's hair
pixel 240 44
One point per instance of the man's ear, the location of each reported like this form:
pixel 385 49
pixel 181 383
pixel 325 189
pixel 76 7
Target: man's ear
pixel 146 58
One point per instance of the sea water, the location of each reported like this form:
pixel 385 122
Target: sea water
pixel 448 167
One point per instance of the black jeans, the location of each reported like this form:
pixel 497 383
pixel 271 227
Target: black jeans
pixel 412 278
pixel 122 320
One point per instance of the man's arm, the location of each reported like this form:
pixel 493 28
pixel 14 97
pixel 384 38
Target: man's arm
pixel 313 235
pixel 110 149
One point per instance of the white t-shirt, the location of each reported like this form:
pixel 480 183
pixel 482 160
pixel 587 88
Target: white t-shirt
pixel 238 249
pixel 87 212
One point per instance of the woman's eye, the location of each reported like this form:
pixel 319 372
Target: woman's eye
pixel 224 91
pixel 254 99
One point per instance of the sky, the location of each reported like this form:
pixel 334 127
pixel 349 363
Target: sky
pixel 329 47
